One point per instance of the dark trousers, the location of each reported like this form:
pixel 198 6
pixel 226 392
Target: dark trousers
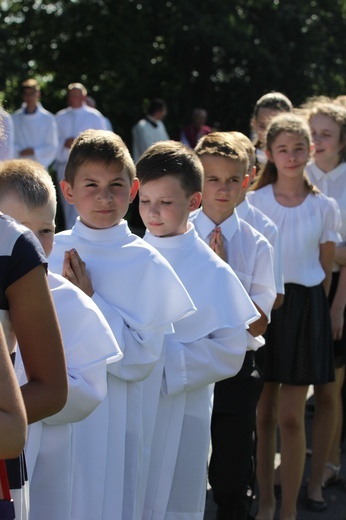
pixel 232 464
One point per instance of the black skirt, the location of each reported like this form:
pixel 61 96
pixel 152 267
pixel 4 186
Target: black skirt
pixel 299 345
pixel 340 344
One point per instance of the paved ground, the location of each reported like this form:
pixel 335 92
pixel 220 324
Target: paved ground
pixel 335 496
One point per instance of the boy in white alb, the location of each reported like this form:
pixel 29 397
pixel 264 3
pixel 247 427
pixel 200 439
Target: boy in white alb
pixel 251 256
pixel 121 273
pixel 206 347
pixel 27 194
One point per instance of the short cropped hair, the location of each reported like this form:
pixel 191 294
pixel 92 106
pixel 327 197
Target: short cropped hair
pixel 78 86
pixel 29 180
pixel 30 83
pixel 101 146
pixel 224 145
pixel 171 158
pixel 242 140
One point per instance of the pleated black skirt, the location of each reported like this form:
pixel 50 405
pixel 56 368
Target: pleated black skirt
pixel 299 345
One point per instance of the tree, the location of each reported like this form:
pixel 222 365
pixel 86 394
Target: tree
pixel 222 56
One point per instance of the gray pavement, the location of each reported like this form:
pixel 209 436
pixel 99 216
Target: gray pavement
pixel 335 496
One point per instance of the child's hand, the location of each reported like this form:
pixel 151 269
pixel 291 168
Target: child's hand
pixel 337 318
pixel 217 245
pixel 74 270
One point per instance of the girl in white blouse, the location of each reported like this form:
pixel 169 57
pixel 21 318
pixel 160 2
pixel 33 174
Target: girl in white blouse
pixel 298 350
pixel 327 171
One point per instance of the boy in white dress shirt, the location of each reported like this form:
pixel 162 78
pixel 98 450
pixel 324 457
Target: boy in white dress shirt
pixel 206 347
pixel 231 472
pixel 120 272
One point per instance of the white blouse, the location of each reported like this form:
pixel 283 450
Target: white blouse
pixel 332 184
pixel 303 228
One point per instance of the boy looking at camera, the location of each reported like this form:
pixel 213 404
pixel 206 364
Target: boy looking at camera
pixel 120 272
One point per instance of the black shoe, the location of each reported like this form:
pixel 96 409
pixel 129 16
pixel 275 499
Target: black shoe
pixel 316 505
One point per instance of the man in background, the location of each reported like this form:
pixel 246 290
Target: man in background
pixel 35 131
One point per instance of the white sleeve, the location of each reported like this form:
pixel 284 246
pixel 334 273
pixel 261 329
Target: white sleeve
pixel 46 152
pixel 193 365
pixel 141 349
pixel 87 387
pixel 263 290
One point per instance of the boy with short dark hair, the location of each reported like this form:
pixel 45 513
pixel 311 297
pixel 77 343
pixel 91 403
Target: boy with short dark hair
pixel 225 163
pixel 140 296
pixel 205 347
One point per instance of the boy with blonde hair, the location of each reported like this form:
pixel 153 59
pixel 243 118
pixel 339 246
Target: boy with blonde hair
pixel 27 194
pixel 121 273
pixel 225 164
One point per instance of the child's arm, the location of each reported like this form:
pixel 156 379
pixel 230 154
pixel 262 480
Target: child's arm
pixel 12 411
pixel 327 250
pixel 340 255
pixel 338 306
pixel 192 365
pixel 35 325
pixel 258 327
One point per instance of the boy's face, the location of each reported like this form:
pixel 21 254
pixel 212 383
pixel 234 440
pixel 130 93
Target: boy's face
pixel 224 181
pixel 40 220
pixel 101 193
pixel 165 207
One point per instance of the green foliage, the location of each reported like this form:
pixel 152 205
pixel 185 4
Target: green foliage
pixel 220 55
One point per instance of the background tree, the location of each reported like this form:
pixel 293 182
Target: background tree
pixel 219 55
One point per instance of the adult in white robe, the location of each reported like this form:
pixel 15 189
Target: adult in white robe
pixel 206 347
pixel 36 130
pixel 50 449
pixel 140 296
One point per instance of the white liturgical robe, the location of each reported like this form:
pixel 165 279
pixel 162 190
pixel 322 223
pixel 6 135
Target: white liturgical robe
pixel 206 347
pixel 88 342
pixel 37 131
pixel 140 296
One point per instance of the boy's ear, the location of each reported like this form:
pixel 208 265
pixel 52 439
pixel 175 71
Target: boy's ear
pixel 134 189
pixel 245 182
pixel 67 191
pixel 195 200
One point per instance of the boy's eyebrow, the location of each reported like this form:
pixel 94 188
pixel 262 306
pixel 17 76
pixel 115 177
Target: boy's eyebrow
pixel 238 174
pixel 284 144
pixel 47 223
pixel 161 196
pixel 96 178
